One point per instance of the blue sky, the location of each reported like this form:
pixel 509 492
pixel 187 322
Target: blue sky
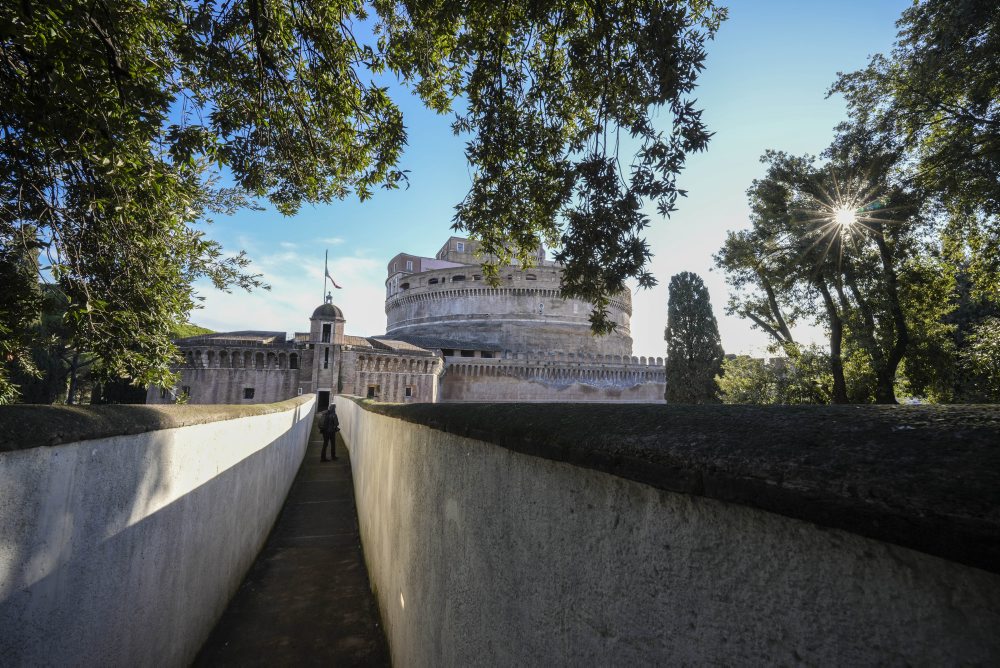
pixel 763 87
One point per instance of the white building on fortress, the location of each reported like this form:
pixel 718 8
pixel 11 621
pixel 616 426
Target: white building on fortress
pixel 449 337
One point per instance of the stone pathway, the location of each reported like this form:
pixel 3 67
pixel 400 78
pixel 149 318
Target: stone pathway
pixel 306 600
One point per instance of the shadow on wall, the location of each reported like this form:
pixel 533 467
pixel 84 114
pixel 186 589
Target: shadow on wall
pixel 125 549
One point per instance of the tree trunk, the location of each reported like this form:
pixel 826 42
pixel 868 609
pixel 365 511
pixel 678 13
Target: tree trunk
pixel 886 391
pixel 72 379
pixel 836 340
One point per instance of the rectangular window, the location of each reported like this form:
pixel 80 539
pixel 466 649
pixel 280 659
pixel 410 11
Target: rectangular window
pixel 326 358
pixel 468 353
pixel 409 392
pixel 448 353
pixel 409 265
pixel 300 390
pixel 186 390
pixel 248 392
pixel 487 354
pixel 460 246
pixel 326 333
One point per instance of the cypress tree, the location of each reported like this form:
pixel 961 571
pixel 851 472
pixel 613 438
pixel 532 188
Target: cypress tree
pixel 694 351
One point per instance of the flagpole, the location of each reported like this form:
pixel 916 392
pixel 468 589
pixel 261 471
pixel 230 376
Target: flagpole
pixel 326 272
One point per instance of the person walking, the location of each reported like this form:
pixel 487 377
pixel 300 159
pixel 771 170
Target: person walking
pixel 329 425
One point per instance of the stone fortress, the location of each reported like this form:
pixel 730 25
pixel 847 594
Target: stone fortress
pixel 449 337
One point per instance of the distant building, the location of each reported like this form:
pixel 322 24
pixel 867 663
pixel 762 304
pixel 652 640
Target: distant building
pixel 450 337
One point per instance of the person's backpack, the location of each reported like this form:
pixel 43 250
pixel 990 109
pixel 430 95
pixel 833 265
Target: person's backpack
pixel 330 422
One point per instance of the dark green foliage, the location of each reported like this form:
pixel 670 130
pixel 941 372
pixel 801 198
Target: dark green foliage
pixel 553 89
pixel 857 279
pixel 20 303
pixel 937 96
pixel 694 351
pixel 801 379
pixel 186 329
pixel 119 117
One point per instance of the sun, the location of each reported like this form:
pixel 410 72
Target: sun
pixel 845 216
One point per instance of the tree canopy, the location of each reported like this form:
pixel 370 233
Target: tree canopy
pixel 694 349
pixel 893 244
pixel 119 119
pixel 937 97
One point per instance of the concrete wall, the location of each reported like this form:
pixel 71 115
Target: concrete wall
pixel 124 550
pixel 481 555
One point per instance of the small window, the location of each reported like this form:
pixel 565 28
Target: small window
pixel 300 390
pixel 186 390
pixel 404 286
pixel 326 333
pixel 326 358
pixel 468 353
pixel 432 281
pixel 395 265
pixel 248 392
pixel 530 277
pixel 409 265
pixel 487 354
pixel 477 277
pixel 409 392
pixel 293 361
pixel 163 393
pixel 373 391
pixel 458 277
pixel 448 353
pixel 460 246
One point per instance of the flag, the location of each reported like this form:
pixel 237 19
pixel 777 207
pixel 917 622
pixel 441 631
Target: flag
pixel 326 271
pixel 332 281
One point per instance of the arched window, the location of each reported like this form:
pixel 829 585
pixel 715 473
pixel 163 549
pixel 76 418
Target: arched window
pixel 404 286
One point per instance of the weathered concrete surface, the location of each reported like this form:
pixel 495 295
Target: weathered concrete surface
pixel 482 555
pixel 24 426
pixel 307 600
pixel 925 477
pixel 124 550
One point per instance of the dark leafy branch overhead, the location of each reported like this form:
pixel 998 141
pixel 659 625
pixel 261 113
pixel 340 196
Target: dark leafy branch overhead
pixel 119 118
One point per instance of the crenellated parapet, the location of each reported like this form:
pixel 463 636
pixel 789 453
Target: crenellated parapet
pixel 563 369
pixel 246 357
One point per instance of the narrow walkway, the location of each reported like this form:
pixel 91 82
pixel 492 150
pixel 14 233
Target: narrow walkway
pixel 306 600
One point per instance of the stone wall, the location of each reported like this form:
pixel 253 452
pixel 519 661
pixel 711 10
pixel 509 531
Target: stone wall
pixel 525 313
pixel 533 377
pixel 392 374
pixel 228 386
pixel 727 536
pixel 122 548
